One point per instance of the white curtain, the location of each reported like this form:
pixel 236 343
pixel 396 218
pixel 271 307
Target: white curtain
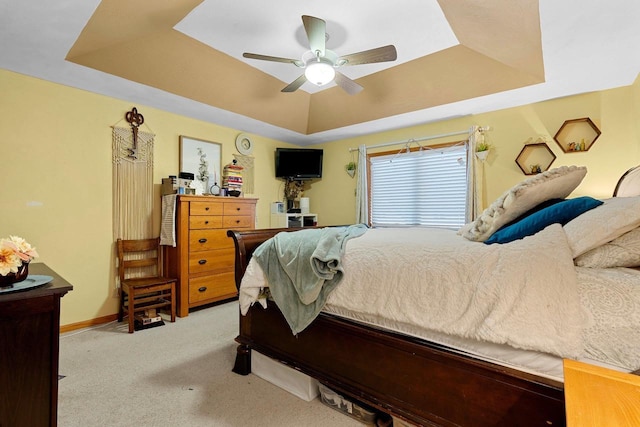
pixel 474 174
pixel 362 193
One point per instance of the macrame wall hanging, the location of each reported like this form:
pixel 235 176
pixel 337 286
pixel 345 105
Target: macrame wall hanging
pixel 246 162
pixel 132 179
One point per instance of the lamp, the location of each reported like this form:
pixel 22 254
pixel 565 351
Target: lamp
pixel 319 73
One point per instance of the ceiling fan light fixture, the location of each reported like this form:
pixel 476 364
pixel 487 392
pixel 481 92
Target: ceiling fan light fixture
pixel 319 73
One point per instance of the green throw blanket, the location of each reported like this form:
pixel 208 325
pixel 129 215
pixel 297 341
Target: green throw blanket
pixel 303 267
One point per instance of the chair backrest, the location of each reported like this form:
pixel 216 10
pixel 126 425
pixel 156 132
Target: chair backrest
pixel 138 258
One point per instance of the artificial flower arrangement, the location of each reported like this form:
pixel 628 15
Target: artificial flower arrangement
pixel 292 189
pixel 14 253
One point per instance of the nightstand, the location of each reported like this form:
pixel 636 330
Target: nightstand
pixel 596 396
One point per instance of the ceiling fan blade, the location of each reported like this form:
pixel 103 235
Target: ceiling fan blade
pixel 380 54
pixel 295 85
pixel 316 30
pixel 296 62
pixel 348 85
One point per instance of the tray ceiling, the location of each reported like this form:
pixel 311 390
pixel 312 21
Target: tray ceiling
pixel 455 57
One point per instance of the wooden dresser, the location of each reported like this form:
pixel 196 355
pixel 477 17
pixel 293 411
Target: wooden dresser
pixel 29 335
pixel 203 259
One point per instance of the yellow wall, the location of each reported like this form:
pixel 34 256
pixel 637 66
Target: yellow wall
pixel 617 149
pixel 55 145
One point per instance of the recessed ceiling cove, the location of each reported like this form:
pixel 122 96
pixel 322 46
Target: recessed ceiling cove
pixel 480 48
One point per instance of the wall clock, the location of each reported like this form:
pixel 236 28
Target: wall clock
pixel 244 145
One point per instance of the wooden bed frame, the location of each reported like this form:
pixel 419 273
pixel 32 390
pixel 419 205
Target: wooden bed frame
pixel 409 378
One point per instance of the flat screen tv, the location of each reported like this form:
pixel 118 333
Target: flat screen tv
pixel 298 163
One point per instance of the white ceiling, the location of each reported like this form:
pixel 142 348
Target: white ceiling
pixel 588 45
pixel 419 27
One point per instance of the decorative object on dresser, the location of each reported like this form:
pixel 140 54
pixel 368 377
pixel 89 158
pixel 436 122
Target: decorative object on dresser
pixel 203 258
pixel 232 179
pixel 29 327
pixel 202 158
pixel 143 288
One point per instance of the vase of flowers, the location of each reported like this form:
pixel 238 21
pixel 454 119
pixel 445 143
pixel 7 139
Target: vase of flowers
pixel 15 256
pixel 292 191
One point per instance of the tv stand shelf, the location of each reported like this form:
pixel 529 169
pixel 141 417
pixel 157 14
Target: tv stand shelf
pixel 291 220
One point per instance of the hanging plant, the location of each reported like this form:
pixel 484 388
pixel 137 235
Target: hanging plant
pixel 351 169
pixel 483 146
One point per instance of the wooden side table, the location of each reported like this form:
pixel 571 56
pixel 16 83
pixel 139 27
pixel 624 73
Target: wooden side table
pixel 29 335
pixel 596 396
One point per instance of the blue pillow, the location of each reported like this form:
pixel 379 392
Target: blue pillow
pixel 561 213
pixel 531 211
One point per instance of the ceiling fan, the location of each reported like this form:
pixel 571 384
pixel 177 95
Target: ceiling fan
pixel 320 63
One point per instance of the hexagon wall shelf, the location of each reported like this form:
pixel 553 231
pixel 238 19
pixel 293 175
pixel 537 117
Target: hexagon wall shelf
pixel 577 135
pixel 535 158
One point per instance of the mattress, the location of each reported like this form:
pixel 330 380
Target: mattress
pixel 607 300
pixel 533 362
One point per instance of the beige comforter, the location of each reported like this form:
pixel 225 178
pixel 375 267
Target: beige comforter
pixel 523 293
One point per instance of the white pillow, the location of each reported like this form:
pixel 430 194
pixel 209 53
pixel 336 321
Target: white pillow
pixel 556 183
pixel 603 224
pixel 623 251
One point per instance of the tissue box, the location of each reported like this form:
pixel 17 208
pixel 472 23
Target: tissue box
pixel 289 379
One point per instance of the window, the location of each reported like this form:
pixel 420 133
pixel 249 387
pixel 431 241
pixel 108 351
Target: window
pixel 421 188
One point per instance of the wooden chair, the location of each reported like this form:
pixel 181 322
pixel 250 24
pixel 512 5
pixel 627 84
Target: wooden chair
pixel 142 286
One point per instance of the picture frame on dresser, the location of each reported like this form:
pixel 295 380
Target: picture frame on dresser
pixel 202 158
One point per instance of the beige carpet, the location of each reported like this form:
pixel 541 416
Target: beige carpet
pixel 178 374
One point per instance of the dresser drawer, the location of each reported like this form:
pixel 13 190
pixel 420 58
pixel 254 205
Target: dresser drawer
pixel 205 208
pixel 205 222
pixel 211 287
pixel 206 240
pixel 238 208
pixel 215 261
pixel 237 221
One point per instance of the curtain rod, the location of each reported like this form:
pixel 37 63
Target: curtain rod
pixel 426 138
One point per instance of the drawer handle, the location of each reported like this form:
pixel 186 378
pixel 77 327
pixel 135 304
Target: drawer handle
pixel 237 221
pixel 202 240
pixel 202 289
pixel 202 262
pixel 206 222
pixel 206 208
pixel 238 209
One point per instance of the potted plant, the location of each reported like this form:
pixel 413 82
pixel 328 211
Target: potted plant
pixel 351 169
pixel 482 150
pixel 15 256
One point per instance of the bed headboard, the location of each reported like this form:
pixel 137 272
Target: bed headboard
pixel 629 184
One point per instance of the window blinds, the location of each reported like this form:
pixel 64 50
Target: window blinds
pixel 421 188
